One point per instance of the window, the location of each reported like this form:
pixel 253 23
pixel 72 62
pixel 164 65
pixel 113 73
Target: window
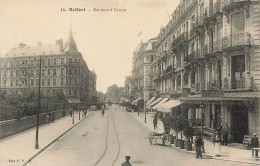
pixel 237 23
pixel 75 80
pixel 54 72
pixel 32 73
pixel 55 61
pixel 12 82
pixel 54 91
pixel 37 71
pixel 12 64
pixel 5 73
pixel 17 63
pixel 70 60
pixel 70 71
pixel 4 82
pixel 43 82
pixel 49 72
pixel 62 71
pixel 25 81
pixel 32 82
pixel 43 72
pixel 17 73
pixel 62 61
pixel 38 61
pixel 32 62
pixel 54 81
pixel 76 71
pixel 49 61
pixel 62 81
pixel 75 91
pixel 48 82
pixel 5 63
pixel 69 91
pixel 48 91
pixel 16 82
pixel 12 73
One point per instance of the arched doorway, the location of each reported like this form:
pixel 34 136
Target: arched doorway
pixel 239 119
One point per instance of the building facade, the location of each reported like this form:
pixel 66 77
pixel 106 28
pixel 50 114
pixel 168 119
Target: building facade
pixel 208 56
pixel 63 69
pixel 141 84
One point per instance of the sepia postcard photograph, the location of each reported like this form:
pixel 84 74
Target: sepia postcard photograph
pixel 129 82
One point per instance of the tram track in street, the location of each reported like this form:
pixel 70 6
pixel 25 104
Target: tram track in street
pixel 111 135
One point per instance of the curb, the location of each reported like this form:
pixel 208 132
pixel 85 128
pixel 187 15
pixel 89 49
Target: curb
pixel 35 155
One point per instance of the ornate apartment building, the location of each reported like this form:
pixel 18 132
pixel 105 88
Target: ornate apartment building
pixel 62 69
pixel 208 56
pixel 141 83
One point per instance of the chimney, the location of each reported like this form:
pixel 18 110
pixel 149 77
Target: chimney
pixel 39 43
pixel 22 45
pixel 60 43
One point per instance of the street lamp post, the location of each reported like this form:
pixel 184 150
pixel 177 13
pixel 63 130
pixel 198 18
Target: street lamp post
pixel 38 109
pixel 144 113
pixel 202 124
pixel 73 114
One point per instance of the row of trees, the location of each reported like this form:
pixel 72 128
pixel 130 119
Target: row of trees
pixel 16 106
pixel 181 126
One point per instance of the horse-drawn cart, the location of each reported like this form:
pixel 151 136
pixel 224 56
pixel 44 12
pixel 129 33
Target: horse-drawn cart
pixel 154 136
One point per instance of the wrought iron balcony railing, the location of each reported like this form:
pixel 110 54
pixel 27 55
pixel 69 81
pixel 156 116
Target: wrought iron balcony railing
pixel 217 7
pixel 214 84
pixel 232 3
pixel 239 39
pixel 179 40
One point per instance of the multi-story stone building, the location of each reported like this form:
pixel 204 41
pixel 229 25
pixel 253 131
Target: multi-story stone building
pixel 62 69
pixel 208 56
pixel 141 82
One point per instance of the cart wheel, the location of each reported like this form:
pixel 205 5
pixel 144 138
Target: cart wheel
pixel 151 138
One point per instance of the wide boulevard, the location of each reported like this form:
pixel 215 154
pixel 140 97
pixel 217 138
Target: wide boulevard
pixel 105 141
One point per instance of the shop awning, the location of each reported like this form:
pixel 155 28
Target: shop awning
pixel 149 106
pixel 74 100
pixel 150 101
pixel 167 106
pixel 160 103
pixel 136 101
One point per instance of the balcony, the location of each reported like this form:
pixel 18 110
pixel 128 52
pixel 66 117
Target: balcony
pixel 217 46
pixel 217 7
pixel 179 40
pixel 198 54
pixel 214 84
pixel 169 69
pixel 230 4
pixel 235 41
pixel 242 83
pixel 199 25
pixel 73 63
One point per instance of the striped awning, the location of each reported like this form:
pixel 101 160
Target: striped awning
pixel 150 101
pixel 149 106
pixel 167 106
pixel 160 103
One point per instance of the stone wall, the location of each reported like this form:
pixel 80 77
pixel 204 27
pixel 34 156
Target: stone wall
pixel 14 126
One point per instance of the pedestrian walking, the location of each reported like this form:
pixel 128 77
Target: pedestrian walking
pixel 218 141
pixel 254 144
pixel 47 118
pixel 198 144
pixel 225 137
pixel 52 117
pixel 127 162
pixel 155 121
pixel 103 112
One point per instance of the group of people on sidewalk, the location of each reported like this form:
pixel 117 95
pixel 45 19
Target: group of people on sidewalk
pixel 49 117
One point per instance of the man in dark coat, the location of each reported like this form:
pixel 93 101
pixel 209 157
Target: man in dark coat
pixel 126 163
pixel 155 122
pixel 254 144
pixel 198 144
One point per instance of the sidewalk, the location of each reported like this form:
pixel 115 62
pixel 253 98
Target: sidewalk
pixel 18 148
pixel 227 152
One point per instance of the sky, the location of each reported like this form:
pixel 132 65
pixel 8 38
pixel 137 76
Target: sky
pixel 106 39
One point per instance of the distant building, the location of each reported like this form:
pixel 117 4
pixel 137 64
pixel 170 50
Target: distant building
pixel 63 69
pixel 141 82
